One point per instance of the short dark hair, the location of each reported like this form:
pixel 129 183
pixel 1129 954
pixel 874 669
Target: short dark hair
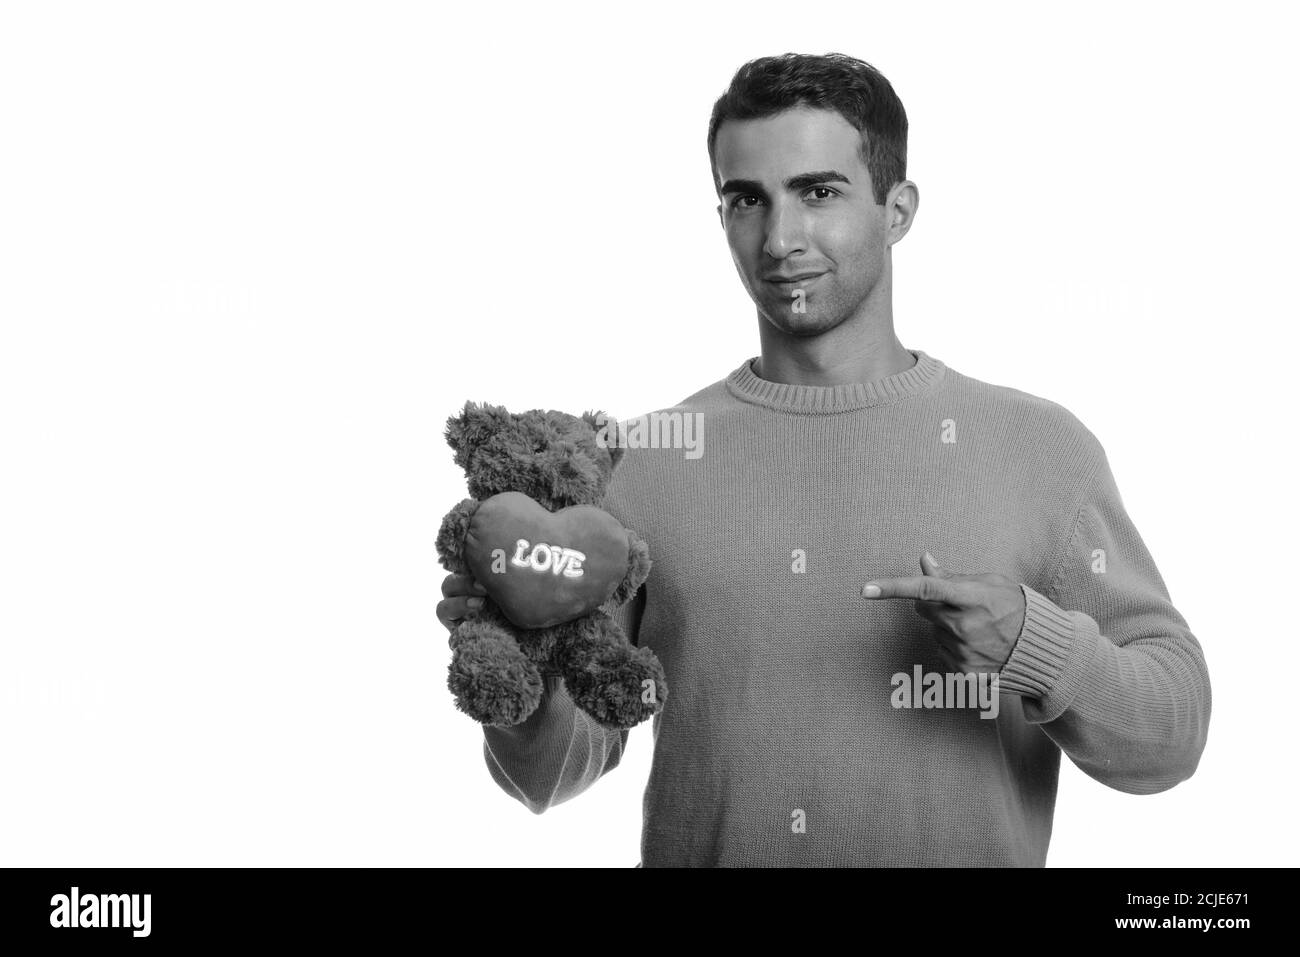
pixel 852 88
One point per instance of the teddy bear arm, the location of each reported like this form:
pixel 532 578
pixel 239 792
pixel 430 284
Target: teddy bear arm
pixel 638 569
pixel 451 536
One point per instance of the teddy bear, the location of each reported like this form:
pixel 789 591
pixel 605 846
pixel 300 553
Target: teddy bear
pixel 555 567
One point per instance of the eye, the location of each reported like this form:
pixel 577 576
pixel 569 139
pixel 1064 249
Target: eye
pixel 736 203
pixel 823 189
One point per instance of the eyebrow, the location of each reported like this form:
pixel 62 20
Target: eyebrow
pixel 795 183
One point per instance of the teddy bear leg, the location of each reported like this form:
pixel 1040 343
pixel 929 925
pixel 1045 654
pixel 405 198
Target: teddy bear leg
pixel 615 682
pixel 493 680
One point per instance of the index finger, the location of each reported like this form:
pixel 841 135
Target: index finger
pixel 920 588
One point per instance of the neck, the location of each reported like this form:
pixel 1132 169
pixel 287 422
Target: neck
pixel 854 351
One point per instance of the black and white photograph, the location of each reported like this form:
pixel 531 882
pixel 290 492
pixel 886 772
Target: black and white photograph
pixel 738 435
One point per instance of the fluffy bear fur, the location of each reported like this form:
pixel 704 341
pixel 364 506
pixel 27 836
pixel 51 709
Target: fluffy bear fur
pixel 497 669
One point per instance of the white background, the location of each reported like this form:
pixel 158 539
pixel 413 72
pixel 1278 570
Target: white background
pixel 253 255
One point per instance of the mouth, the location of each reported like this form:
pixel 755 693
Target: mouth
pixel 793 282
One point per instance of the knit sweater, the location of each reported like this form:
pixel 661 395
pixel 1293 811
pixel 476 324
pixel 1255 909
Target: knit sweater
pixel 781 742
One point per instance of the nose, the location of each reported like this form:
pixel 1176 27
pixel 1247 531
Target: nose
pixel 785 231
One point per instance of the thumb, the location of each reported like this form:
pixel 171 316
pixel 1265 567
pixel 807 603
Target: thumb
pixel 931 567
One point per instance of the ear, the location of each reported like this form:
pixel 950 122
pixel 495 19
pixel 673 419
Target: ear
pixel 456 424
pixel 721 222
pixel 901 204
pixel 476 423
pixel 606 429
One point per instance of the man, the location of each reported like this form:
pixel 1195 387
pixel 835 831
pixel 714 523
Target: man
pixel 812 718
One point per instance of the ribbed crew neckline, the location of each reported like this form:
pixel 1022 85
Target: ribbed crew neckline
pixel 827 400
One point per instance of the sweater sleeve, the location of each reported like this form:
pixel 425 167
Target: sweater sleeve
pixel 559 751
pixel 1104 663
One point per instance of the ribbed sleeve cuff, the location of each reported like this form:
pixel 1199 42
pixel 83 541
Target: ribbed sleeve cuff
pixel 1050 657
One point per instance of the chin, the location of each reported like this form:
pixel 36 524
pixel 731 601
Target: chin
pixel 801 326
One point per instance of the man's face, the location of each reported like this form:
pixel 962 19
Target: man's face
pixel 799 214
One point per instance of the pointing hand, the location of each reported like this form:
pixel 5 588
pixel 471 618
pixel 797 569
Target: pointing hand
pixel 980 617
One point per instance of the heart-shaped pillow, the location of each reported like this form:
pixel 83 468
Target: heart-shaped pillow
pixel 543 568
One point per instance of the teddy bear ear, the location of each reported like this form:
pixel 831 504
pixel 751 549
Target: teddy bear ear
pixel 458 426
pixel 606 429
pixel 455 430
pixel 476 423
